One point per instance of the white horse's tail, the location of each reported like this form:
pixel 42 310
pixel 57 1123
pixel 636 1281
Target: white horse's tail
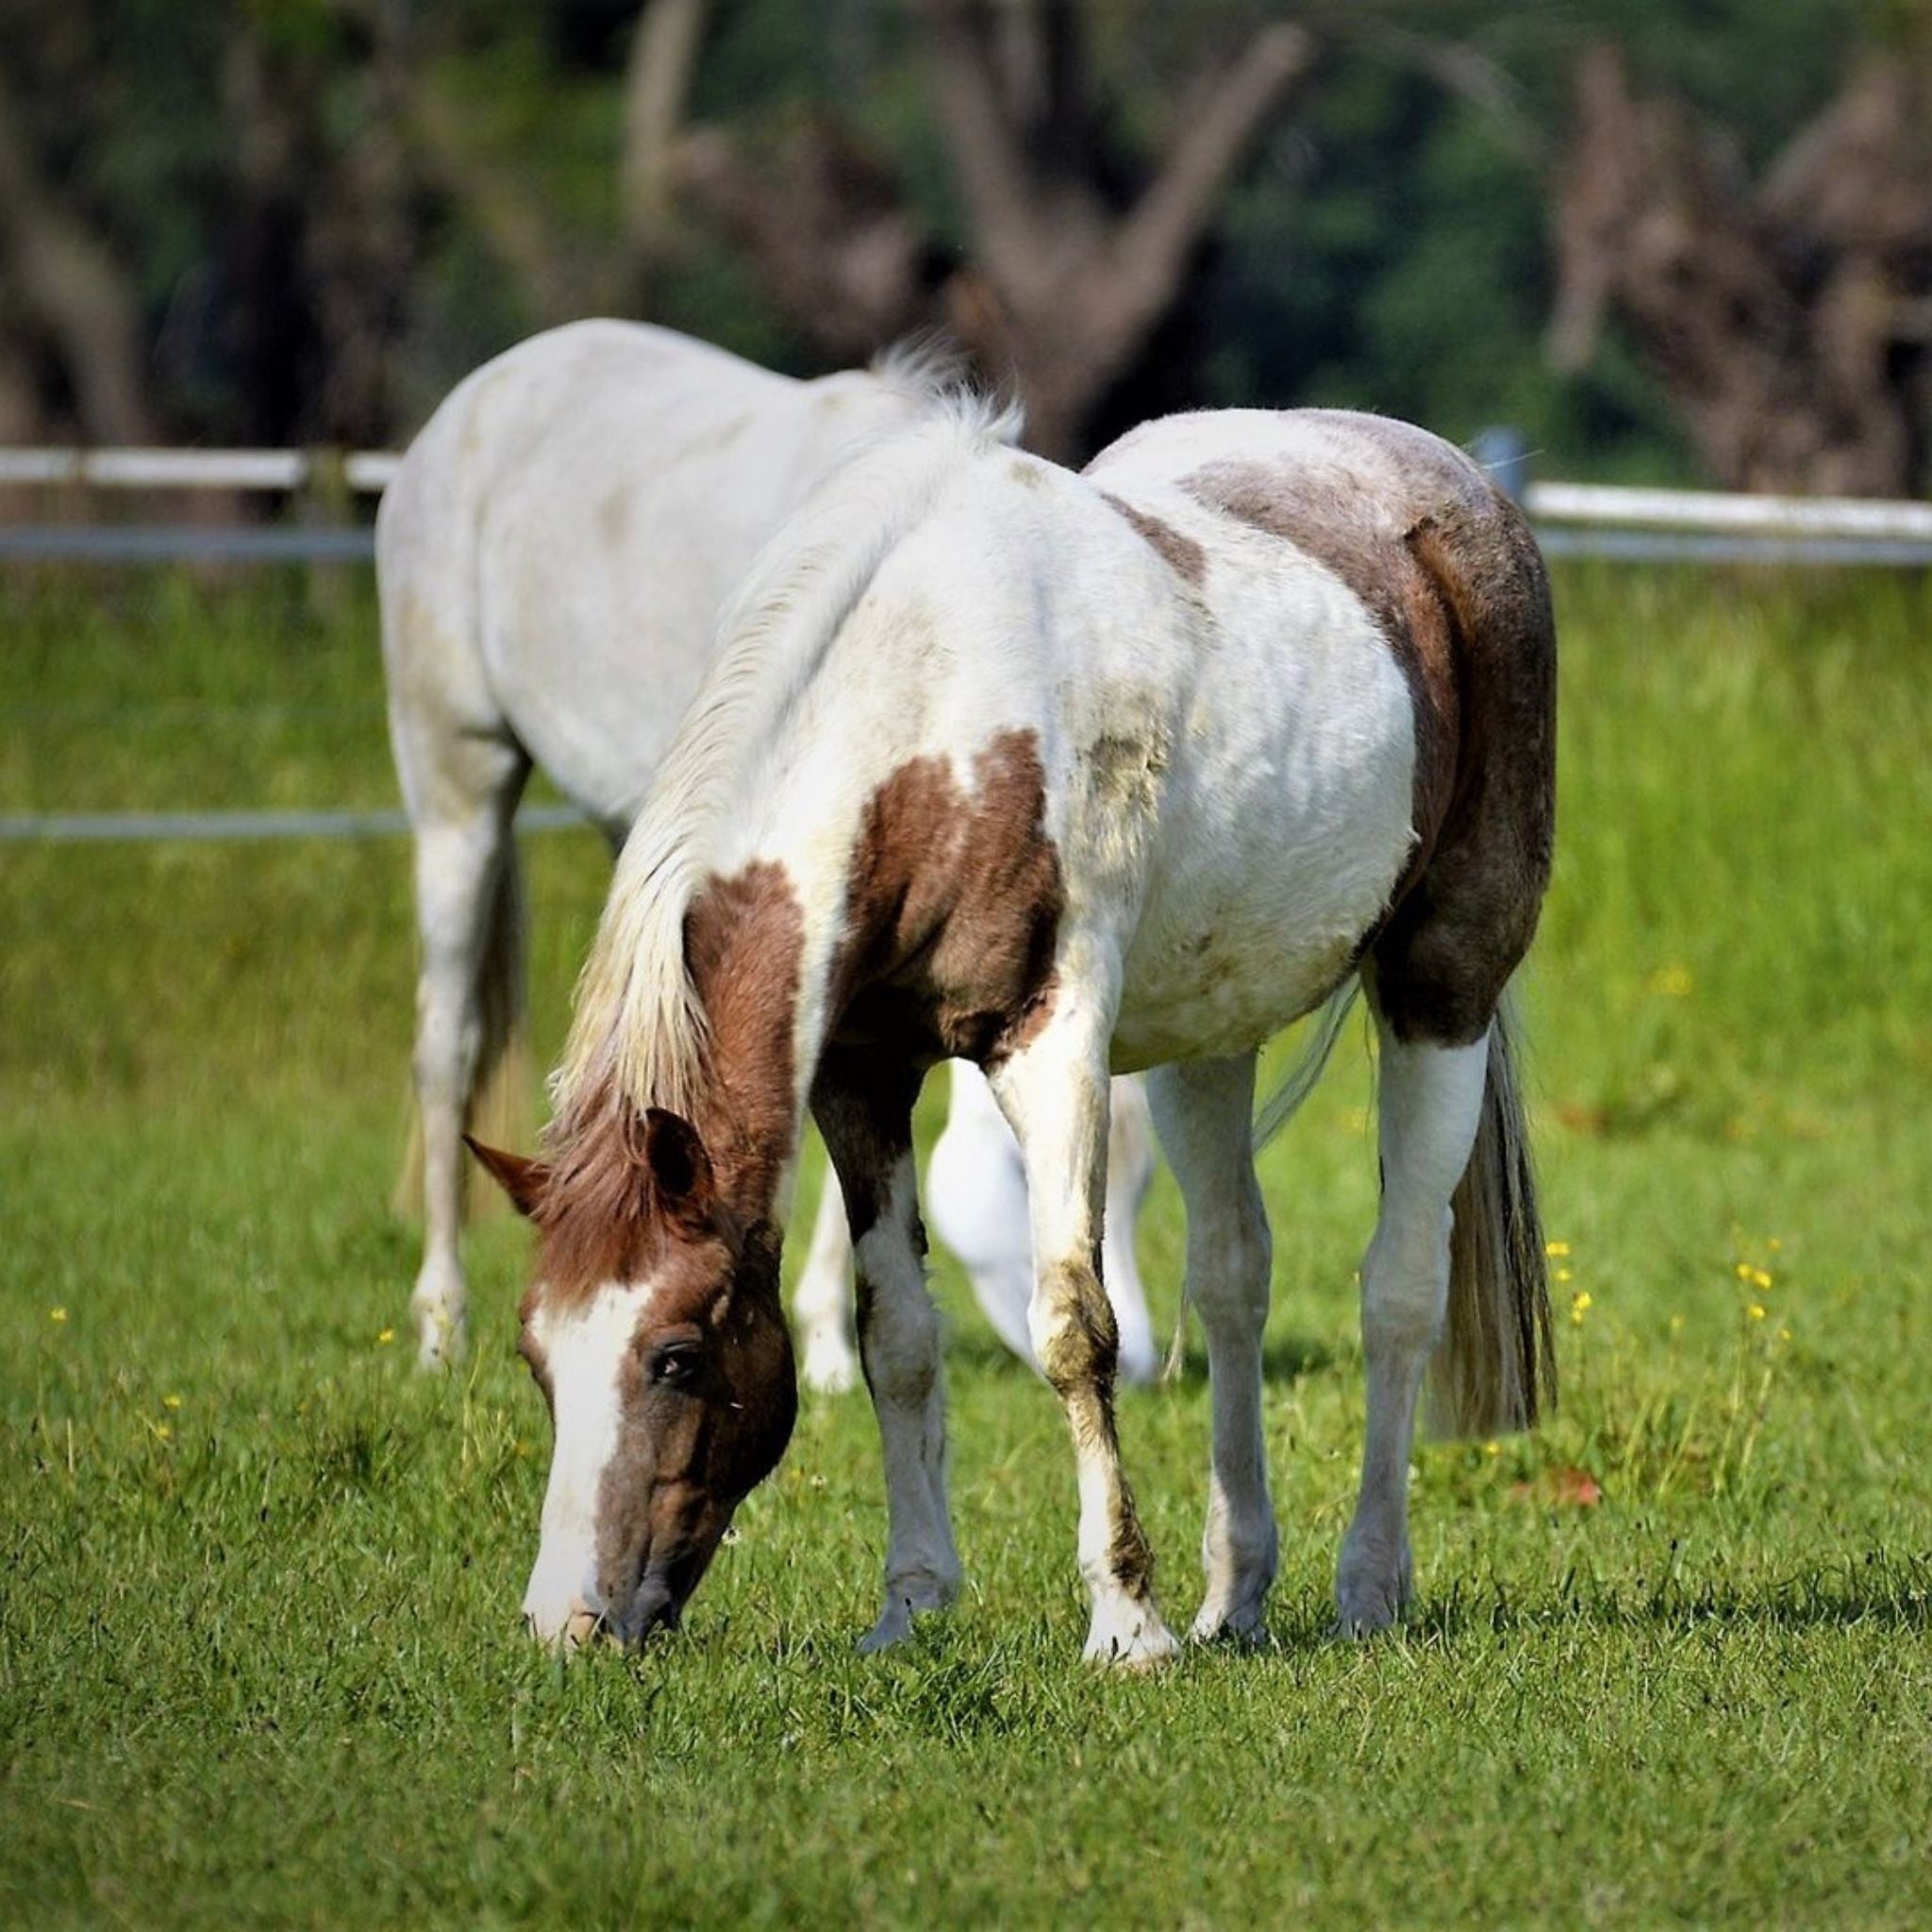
pixel 498 1107
pixel 1299 1081
pixel 1494 1370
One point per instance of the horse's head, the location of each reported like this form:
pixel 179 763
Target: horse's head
pixel 655 1331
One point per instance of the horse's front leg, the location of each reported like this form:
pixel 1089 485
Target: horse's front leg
pixel 1055 1094
pixel 865 1115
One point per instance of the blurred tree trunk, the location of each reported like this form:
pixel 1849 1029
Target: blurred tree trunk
pixel 656 91
pixel 1071 285
pixel 1790 321
pixel 1066 281
pixel 76 291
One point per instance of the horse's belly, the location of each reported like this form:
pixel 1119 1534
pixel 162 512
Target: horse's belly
pixel 1267 878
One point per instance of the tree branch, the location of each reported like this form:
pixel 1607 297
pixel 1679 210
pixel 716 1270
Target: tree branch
pixel 989 163
pixel 656 90
pixel 1151 246
pixel 76 291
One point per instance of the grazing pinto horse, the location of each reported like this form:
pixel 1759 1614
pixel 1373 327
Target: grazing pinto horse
pixel 1059 774
pixel 553 555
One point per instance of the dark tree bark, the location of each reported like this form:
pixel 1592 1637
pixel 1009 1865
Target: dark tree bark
pixel 76 293
pixel 1788 320
pixel 1074 284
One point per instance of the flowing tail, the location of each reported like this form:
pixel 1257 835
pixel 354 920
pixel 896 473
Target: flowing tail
pixel 1494 1370
pixel 497 1108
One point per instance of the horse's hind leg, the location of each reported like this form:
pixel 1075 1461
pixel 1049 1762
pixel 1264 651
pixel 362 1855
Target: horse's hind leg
pixel 1430 1105
pixel 1202 1112
pixel 465 859
pixel 1053 1092
pixel 866 1118
pixel 822 1300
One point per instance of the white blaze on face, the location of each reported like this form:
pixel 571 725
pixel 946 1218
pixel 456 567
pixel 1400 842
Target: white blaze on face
pixel 584 1349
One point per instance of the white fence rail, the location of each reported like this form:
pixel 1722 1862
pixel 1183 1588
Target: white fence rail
pixel 1585 519
pixel 1571 519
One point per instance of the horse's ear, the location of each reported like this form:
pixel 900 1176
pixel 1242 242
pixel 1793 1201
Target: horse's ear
pixel 523 1180
pixel 681 1168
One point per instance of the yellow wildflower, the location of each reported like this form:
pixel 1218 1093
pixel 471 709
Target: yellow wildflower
pixel 171 1401
pixel 1580 1305
pixel 1493 1448
pixel 1756 1312
pixel 1774 1244
pixel 1557 1250
pixel 1760 1278
pixel 163 1432
pixel 1676 1323
pixel 56 1314
pixel 1564 1275
pixel 387 1336
pixel 1784 1334
pixel 1744 1271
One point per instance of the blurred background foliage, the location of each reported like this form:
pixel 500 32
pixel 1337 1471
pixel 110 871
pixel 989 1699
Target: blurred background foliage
pixel 301 221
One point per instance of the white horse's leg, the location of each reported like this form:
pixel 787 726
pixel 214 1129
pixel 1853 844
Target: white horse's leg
pixel 460 860
pixel 1130 1174
pixel 1430 1106
pixel 822 1299
pixel 867 1123
pixel 1055 1094
pixel 1203 1110
pixel 976 1197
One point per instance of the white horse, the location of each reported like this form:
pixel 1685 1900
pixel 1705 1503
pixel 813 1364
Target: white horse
pixel 1062 773
pixel 553 555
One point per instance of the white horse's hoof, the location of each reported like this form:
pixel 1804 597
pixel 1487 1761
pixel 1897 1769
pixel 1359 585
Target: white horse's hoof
pixel 830 1369
pixel 1129 1636
pixel 1241 1622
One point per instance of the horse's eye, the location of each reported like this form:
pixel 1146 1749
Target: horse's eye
pixel 678 1365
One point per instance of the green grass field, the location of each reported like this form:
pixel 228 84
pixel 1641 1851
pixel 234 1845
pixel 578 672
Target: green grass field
pixel 259 1659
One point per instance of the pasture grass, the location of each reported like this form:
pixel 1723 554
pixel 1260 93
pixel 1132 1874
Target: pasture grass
pixel 259 1655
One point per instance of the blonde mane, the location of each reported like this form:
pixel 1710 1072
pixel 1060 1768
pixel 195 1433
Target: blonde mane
pixel 638 1032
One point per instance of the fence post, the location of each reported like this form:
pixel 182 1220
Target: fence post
pixel 1504 452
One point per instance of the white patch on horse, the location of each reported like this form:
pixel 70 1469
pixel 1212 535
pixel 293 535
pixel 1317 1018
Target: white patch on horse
pixel 584 1347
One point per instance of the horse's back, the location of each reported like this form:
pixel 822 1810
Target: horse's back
pixel 559 540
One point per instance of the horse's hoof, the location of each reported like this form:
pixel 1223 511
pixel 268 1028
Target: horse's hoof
pixel 1244 1628
pixel 1131 1638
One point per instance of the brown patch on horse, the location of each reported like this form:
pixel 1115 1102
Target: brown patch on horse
pixel 1447 949
pixel 1454 581
pixel 1187 558
pixel 953 909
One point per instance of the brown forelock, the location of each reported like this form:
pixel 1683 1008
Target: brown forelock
pixel 1186 557
pixel 952 906
pixel 687 1456
pixel 744 939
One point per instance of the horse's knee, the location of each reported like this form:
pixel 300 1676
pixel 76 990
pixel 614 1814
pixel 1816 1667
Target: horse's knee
pixel 1404 1288
pixel 1071 1322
